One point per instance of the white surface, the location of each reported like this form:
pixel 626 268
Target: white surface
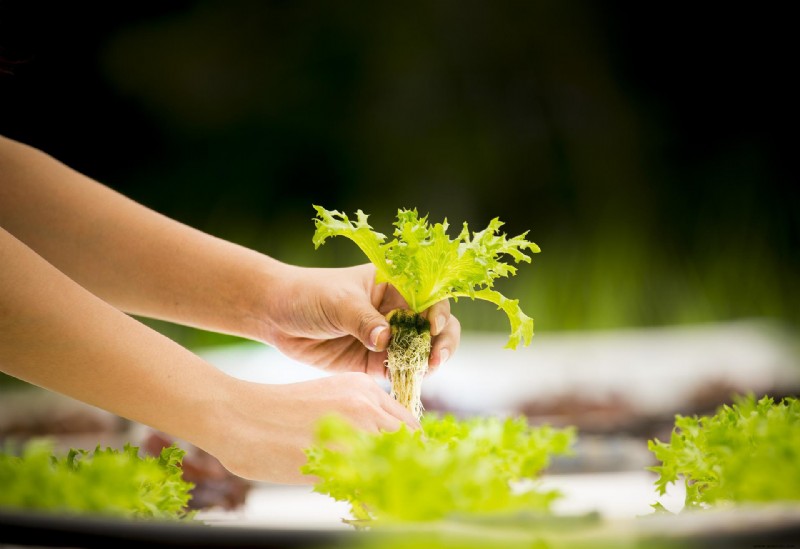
pixel 655 369
pixel 284 507
pixel 616 496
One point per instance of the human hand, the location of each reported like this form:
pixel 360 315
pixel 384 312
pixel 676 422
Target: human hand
pixel 265 428
pixel 334 319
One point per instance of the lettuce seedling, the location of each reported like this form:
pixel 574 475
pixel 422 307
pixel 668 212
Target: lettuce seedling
pixel 746 452
pixel 106 481
pixel 475 467
pixel 425 266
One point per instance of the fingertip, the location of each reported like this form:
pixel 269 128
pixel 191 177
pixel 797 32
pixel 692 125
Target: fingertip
pixel 438 359
pixel 379 338
pixel 412 422
pixel 439 314
pixel 401 413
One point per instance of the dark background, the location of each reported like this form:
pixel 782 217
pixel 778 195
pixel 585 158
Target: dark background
pixel 649 150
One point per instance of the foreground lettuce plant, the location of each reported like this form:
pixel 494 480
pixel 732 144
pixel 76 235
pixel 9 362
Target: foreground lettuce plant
pixel 748 452
pixel 448 468
pixel 106 482
pixel 425 266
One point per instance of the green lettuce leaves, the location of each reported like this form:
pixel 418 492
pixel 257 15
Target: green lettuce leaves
pixel 426 266
pixel 106 482
pixel 746 452
pixel 449 468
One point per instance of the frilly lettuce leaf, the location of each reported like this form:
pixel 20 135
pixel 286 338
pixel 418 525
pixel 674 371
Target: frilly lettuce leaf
pixel 426 266
pixel 450 467
pixel 107 481
pixel 746 452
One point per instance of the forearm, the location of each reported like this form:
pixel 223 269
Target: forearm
pixel 55 334
pixel 126 254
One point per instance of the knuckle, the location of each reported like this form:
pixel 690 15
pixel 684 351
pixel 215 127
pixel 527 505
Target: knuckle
pixel 359 405
pixel 359 382
pixel 364 322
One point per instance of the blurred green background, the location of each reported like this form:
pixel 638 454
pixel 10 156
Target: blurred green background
pixel 649 150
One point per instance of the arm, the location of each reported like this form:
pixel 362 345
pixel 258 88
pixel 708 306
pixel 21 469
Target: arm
pixel 56 334
pixel 129 256
pixel 145 263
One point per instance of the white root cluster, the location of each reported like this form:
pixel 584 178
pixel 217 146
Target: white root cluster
pixel 408 354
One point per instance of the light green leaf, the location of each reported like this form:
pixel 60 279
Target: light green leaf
pixel 521 324
pixel 745 452
pixel 450 467
pixel 106 481
pixel 426 266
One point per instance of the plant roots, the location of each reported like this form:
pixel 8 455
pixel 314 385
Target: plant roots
pixel 409 350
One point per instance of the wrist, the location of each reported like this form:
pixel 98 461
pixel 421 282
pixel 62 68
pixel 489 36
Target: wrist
pixel 217 426
pixel 267 284
pixel 249 435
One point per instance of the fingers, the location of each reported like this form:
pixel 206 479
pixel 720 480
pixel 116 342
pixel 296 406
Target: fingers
pixel 445 344
pixel 360 319
pixel 375 407
pixel 376 364
pixel 363 318
pixel 397 412
pixel 438 315
pixel 446 332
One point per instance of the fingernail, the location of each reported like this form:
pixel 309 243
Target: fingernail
pixel 440 322
pixel 374 336
pixel 444 354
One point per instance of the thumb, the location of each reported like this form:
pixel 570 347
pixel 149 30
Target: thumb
pixel 364 322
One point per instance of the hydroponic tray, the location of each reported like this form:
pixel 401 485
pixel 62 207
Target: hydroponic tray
pixel 729 529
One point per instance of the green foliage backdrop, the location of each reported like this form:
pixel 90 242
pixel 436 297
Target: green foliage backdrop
pixel 646 149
